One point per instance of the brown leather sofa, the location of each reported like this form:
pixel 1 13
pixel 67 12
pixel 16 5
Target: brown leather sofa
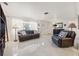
pixel 66 41
pixel 28 36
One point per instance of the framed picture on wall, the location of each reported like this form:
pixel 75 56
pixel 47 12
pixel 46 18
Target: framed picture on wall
pixel 59 25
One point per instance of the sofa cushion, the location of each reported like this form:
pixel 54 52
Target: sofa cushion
pixel 63 34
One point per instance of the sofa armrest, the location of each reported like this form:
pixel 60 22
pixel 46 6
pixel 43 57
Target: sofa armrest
pixel 66 38
pixel 67 42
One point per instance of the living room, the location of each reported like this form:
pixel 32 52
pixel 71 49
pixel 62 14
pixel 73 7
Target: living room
pixel 31 27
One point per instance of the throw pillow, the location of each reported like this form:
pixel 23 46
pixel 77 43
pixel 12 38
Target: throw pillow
pixel 63 34
pixel 23 32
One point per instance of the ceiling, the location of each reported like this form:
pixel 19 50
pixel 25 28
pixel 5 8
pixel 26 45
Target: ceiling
pixel 36 10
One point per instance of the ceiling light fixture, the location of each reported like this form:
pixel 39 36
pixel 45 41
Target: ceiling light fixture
pixel 46 13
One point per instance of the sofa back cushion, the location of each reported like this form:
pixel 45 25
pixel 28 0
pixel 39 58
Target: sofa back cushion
pixel 30 31
pixel 71 34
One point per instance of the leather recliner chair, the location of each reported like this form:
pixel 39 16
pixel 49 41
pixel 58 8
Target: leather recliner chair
pixel 66 41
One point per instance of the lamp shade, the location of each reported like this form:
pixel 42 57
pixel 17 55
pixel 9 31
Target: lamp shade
pixel 72 25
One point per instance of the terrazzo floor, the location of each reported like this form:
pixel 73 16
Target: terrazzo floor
pixel 37 47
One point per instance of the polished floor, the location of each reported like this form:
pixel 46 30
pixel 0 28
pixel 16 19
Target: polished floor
pixel 38 47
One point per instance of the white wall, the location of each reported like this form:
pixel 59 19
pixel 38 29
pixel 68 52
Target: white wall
pixel 9 27
pixel 45 27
